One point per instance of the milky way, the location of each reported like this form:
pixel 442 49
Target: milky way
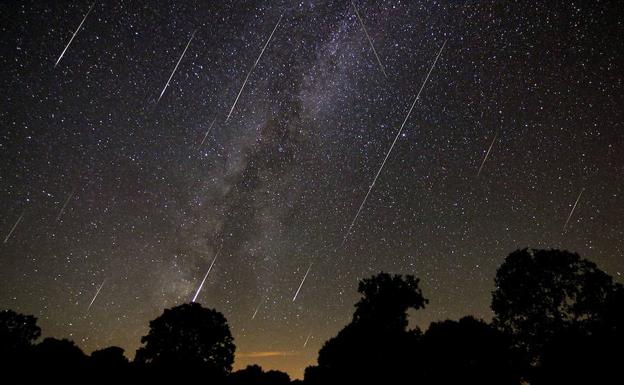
pixel 148 189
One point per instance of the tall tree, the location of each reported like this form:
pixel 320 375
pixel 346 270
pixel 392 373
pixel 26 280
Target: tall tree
pixel 386 299
pixel 541 294
pixel 376 345
pixel 189 336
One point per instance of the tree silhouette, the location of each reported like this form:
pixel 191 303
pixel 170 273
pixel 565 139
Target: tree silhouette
pixel 386 300
pixel 17 332
pixel 557 319
pixel 58 361
pixel 542 293
pixel 112 356
pixel 109 365
pixel 376 345
pixel 189 336
pixel 467 351
pixel 574 357
pixel 254 375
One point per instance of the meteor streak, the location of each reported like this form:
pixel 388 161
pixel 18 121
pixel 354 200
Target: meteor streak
pixel 207 132
pixel 74 35
pixel 96 294
pixel 252 68
pixel 176 67
pixel 206 276
pixel 572 211
pixel 487 153
pixel 71 194
pixel 302 281
pixel 370 41
pixel 357 214
pixel 13 228
pixel 257 308
pixel 307 339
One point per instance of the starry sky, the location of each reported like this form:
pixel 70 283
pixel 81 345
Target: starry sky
pixel 106 184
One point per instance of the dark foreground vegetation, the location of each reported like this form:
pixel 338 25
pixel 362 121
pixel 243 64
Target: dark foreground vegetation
pixel 558 319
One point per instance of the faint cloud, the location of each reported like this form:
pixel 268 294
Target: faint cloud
pixel 274 353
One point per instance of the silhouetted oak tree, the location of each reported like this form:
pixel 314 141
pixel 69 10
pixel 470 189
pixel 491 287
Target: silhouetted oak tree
pixel 385 301
pixel 190 337
pixel 542 293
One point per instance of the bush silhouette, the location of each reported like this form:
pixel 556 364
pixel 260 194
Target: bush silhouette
pixel 467 351
pixel 109 365
pixel 111 357
pixel 254 375
pixel 574 357
pixel 59 361
pixel 188 338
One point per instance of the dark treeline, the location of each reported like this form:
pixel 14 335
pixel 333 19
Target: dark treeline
pixel 558 319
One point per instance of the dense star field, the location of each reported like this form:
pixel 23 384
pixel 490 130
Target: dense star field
pixel 117 191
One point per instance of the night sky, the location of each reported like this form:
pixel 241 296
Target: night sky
pixel 103 185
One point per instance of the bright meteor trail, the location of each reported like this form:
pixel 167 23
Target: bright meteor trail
pixel 257 308
pixel 487 153
pixel 370 41
pixel 74 35
pixel 95 296
pixel 13 228
pixel 252 68
pixel 302 281
pixel 206 276
pixel 357 214
pixel 307 339
pixel 572 211
pixel 176 66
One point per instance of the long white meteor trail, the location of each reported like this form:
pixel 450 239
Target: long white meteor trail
pixel 252 68
pixel 357 214
pixel 13 228
pixel 74 35
pixel 206 276
pixel 307 339
pixel 487 153
pixel 69 197
pixel 257 308
pixel 302 281
pixel 573 208
pixel 96 294
pixel 370 41
pixel 176 67
pixel 207 132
